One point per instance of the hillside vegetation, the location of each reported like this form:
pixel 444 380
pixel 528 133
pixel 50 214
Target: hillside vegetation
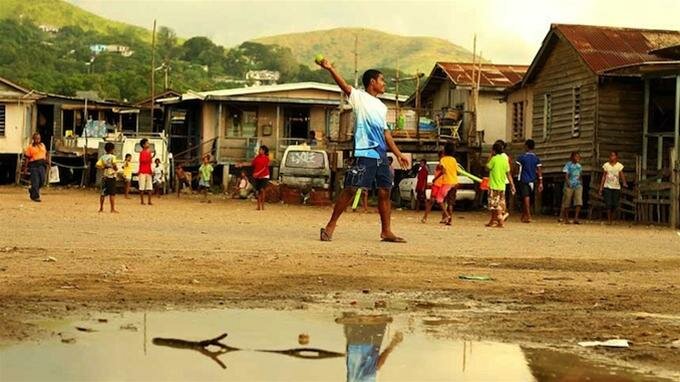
pixel 59 13
pixel 375 48
pixel 62 62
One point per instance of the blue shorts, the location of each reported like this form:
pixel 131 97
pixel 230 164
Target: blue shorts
pixel 369 171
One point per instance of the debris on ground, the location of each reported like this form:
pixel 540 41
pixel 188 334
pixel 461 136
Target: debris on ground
pixel 617 343
pixel 130 327
pixel 303 339
pixel 50 259
pixel 475 277
pixel 84 329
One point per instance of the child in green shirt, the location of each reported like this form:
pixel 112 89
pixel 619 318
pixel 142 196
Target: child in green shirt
pixel 107 163
pixel 499 173
pixel 205 177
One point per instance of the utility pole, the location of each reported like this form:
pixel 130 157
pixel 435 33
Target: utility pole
pixel 153 72
pixel 397 90
pixel 167 69
pixel 418 105
pixel 356 61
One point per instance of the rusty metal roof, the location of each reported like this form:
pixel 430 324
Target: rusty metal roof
pixel 492 76
pixel 605 48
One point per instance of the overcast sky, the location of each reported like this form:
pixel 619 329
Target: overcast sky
pixel 508 31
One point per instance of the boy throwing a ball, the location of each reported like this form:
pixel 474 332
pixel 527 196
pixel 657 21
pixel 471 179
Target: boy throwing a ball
pixel 372 139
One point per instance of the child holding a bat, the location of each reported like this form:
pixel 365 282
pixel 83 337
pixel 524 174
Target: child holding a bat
pixel 499 172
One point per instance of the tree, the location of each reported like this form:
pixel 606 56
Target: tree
pixel 166 43
pixel 193 47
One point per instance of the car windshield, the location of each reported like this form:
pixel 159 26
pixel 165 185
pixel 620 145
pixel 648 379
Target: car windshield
pixel 305 159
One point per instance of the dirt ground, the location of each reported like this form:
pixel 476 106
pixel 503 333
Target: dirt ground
pixel 553 285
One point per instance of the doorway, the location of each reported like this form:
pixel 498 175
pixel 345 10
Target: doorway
pixel 46 124
pixel 297 122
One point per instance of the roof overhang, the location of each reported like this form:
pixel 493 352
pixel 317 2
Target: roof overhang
pixel 646 69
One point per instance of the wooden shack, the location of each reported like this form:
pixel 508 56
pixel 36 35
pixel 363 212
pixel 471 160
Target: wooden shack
pixel 578 101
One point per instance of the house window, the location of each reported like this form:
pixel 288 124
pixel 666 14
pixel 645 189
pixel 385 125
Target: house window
pixel 576 112
pixel 2 120
pixel 518 121
pixel 243 124
pixel 547 115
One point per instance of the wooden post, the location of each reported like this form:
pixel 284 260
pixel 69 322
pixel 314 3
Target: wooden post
pixel 220 129
pixel 85 169
pixel 645 130
pixel 278 121
pixel 153 70
pixel 674 165
pixel 676 142
pixel 418 105
pixel 675 190
pixel 356 61
pixel 659 153
pixel 396 121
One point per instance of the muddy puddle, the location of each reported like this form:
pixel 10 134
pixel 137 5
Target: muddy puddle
pixel 271 345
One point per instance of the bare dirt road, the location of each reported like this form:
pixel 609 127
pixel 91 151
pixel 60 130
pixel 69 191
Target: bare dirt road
pixel 552 284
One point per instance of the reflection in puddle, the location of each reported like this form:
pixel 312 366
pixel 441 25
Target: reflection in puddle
pixel 264 345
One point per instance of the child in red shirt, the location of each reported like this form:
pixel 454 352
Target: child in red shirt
pixel 260 165
pixel 144 176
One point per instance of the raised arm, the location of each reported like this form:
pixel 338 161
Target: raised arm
pixel 336 76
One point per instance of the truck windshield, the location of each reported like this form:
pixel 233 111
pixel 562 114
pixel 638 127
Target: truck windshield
pixel 305 159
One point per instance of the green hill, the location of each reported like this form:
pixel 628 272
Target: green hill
pixel 376 49
pixel 59 13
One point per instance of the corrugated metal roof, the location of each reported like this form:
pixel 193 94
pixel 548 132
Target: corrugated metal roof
pixel 604 48
pixel 492 76
pixel 226 93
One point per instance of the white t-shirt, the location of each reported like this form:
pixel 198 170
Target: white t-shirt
pixel 157 173
pixel 612 178
pixel 371 117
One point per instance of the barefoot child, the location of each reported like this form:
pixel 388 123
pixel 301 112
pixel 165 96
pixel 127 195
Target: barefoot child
pixel 158 177
pixel 127 173
pixel 610 186
pixel 144 175
pixel 530 171
pixel 243 187
pixel 499 171
pixel 107 163
pixel 205 178
pixel 421 184
pixel 435 192
pixel 573 188
pixel 183 179
pixel 449 188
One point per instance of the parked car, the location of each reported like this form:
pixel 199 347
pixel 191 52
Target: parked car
pixel 467 190
pixel 305 168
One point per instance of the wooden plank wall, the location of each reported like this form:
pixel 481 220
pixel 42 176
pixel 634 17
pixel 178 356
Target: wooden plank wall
pixel 619 125
pixel 561 72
